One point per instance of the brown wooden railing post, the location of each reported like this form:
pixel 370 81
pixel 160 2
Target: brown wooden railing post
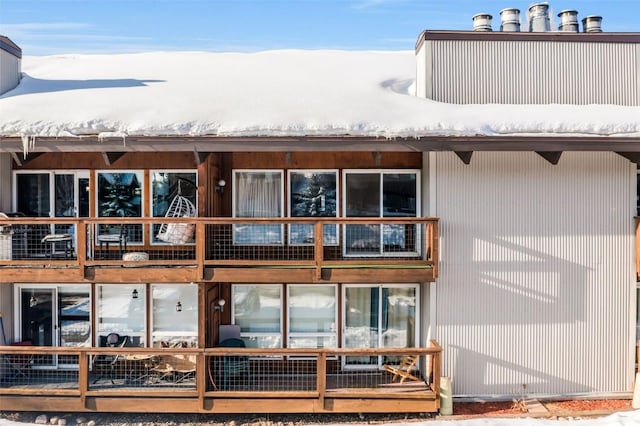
pixel 83 376
pixel 201 245
pixel 321 379
pixel 318 248
pixel 201 377
pixel 81 245
pixel 436 364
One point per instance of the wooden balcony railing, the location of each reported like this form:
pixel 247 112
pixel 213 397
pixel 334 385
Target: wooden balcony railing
pixel 217 379
pixel 327 248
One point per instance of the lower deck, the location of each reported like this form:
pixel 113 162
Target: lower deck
pixel 218 380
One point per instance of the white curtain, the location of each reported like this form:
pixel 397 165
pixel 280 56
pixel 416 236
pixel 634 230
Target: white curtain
pixel 258 194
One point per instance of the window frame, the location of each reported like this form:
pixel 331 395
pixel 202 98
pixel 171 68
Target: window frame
pixel 248 336
pixel 152 228
pixel 327 228
pixel 142 299
pixel 288 307
pixel 190 337
pixel 381 252
pixel 140 174
pixel 234 206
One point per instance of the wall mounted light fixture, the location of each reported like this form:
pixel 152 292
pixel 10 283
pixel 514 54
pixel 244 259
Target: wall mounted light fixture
pixel 220 185
pixel 219 306
pixel 134 293
pixel 178 307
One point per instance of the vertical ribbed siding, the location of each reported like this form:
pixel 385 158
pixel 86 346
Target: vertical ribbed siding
pixel 537 273
pixel 533 72
pixel 9 71
pixel 5 182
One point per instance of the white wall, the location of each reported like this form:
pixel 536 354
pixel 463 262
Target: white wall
pixel 9 71
pixel 5 182
pixel 537 273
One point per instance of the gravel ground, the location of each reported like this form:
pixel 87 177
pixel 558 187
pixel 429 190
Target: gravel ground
pixel 160 419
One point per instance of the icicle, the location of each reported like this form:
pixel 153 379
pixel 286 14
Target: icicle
pixel 28 144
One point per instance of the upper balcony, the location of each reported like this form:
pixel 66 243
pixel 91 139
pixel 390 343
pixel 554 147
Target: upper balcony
pixel 250 250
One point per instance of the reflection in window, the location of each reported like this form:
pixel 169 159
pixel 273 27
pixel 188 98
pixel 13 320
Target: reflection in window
pixel 165 187
pixel 381 194
pixel 121 309
pixel 313 194
pixel 257 309
pixel 312 316
pixel 120 195
pixel 175 315
pixel 33 194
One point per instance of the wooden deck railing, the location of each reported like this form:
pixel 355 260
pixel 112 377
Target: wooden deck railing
pixel 319 245
pixel 172 379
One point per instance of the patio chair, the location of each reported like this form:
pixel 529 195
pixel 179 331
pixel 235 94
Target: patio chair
pixel 175 368
pixel 105 365
pixel 405 370
pixel 235 368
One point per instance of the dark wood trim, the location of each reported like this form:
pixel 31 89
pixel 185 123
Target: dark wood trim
pixel 551 156
pixel 550 36
pixel 331 144
pixel 112 157
pixel 465 156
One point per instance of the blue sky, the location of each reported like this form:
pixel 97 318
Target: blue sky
pixel 43 27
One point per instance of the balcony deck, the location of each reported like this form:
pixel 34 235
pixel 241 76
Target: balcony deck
pixel 274 381
pixel 220 249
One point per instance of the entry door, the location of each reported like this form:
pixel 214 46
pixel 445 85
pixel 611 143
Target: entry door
pixel 379 316
pixel 54 316
pixel 71 198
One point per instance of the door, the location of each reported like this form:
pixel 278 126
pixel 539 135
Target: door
pixel 54 316
pixel 379 316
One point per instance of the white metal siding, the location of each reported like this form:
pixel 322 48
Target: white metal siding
pixel 9 71
pixel 5 182
pixel 532 72
pixel 537 273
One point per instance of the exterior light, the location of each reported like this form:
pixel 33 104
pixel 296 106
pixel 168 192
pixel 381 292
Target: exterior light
pixel 178 307
pixel 134 294
pixel 220 185
pixel 220 305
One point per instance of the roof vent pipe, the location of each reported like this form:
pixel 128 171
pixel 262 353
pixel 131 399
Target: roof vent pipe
pixel 510 19
pixel 592 24
pixel 569 21
pixel 482 22
pixel 539 21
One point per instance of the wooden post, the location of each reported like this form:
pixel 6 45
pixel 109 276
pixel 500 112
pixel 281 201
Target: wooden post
pixel 201 378
pixel 83 376
pixel 318 248
pixel 321 378
pixel 200 247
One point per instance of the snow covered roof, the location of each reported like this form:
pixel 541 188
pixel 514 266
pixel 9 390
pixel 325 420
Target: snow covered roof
pixel 272 93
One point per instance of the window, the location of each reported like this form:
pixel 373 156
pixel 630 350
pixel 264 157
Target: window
pixel 165 187
pixel 312 316
pixel 257 309
pixel 258 194
pixel 377 317
pixel 175 315
pixel 121 309
pixel 120 195
pixel 313 193
pixel 379 194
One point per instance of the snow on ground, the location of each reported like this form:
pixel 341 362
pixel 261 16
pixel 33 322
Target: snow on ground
pixel 272 93
pixel 626 418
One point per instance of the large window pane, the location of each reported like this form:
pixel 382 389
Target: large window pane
pixel 167 188
pixel 258 194
pixel 313 194
pixel 257 309
pixel 312 316
pixel 362 194
pixel 175 315
pixel 121 309
pixel 120 195
pixel 33 196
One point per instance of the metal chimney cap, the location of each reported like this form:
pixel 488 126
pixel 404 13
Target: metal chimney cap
pixel 482 22
pixel 486 15
pixel 510 9
pixel 568 12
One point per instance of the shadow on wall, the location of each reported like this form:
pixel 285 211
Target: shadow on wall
pixel 29 85
pixel 477 367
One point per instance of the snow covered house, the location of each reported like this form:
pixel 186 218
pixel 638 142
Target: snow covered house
pixel 10 61
pixel 278 231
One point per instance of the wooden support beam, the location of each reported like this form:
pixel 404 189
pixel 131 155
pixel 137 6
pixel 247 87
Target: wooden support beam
pixel 551 156
pixel 111 157
pixel 200 157
pixel 26 158
pixel 465 156
pixel 634 157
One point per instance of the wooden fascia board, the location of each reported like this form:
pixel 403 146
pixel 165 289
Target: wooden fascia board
pixel 204 144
